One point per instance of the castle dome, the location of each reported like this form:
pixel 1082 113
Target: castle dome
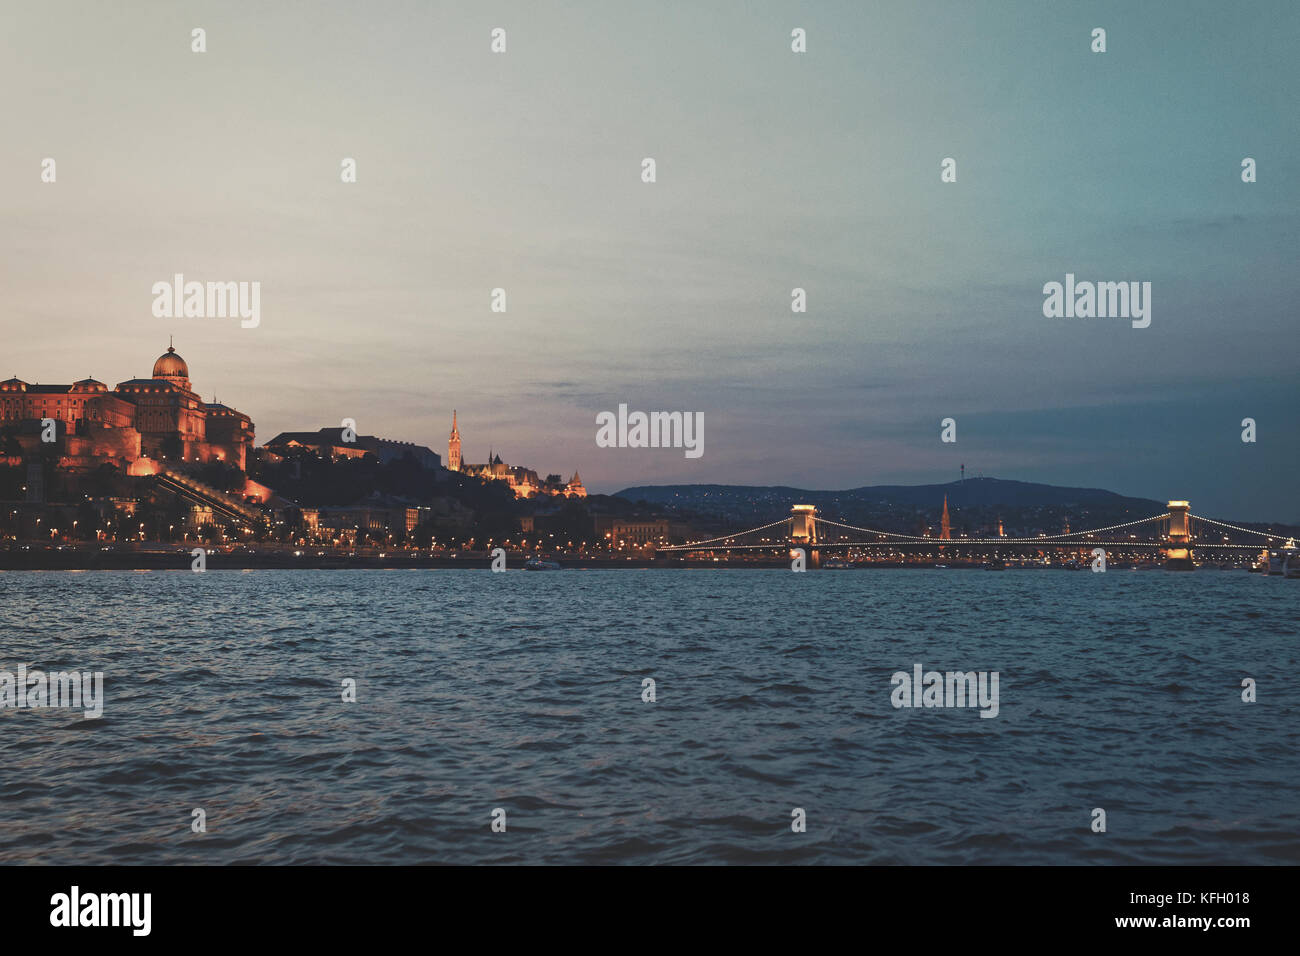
pixel 172 368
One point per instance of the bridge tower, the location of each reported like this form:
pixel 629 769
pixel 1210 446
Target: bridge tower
pixel 803 524
pixel 1178 553
pixel 803 531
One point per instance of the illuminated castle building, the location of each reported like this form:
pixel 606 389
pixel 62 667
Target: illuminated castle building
pixel 136 425
pixel 524 482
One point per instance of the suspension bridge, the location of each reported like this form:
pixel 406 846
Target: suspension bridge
pixel 1170 537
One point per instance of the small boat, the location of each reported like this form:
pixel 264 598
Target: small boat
pixel 541 564
pixel 1285 562
pixel 995 565
pixel 1281 558
pixel 837 565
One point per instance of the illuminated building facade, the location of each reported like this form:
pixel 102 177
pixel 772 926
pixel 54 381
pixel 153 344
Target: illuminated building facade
pixel 524 482
pixel 158 418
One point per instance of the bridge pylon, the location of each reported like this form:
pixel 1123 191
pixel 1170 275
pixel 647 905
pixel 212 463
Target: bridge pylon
pixel 803 532
pixel 1178 553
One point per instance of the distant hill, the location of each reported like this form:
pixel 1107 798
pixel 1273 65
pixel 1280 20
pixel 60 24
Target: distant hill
pixel 976 494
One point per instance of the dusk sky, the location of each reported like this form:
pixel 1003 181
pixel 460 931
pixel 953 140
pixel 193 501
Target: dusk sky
pixel 775 170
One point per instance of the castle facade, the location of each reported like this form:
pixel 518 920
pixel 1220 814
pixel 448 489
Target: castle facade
pixel 141 420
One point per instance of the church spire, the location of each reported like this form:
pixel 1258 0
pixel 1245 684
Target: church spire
pixel 945 529
pixel 453 445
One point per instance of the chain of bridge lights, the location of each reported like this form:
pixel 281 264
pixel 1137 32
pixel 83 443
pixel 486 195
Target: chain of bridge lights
pixel 1067 536
pixel 1114 527
pixel 726 537
pixel 887 534
pixel 1046 538
pixel 1221 524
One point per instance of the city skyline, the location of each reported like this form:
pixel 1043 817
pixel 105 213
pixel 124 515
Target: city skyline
pixel 19 401
pixel 795 171
pixel 731 433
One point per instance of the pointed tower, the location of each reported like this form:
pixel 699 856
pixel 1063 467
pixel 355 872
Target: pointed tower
pixel 453 445
pixel 945 529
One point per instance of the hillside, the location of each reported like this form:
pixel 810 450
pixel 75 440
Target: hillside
pixel 987 497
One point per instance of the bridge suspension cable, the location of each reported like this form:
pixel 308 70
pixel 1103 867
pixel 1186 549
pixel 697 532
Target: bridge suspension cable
pixel 1221 524
pixel 727 541
pixel 887 534
pixel 726 537
pixel 1068 536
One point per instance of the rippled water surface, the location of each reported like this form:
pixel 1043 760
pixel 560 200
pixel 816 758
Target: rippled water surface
pixel 523 691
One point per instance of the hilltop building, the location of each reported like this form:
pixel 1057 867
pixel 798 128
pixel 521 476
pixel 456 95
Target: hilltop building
pixel 453 445
pixel 138 424
pixel 524 482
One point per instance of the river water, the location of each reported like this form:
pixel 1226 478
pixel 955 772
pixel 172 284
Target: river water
pixel 524 691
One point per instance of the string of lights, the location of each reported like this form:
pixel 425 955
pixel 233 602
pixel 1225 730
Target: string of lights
pixel 1221 524
pixel 732 537
pixel 1068 536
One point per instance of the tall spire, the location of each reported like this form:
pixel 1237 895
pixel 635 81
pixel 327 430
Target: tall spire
pixel 945 530
pixel 453 445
